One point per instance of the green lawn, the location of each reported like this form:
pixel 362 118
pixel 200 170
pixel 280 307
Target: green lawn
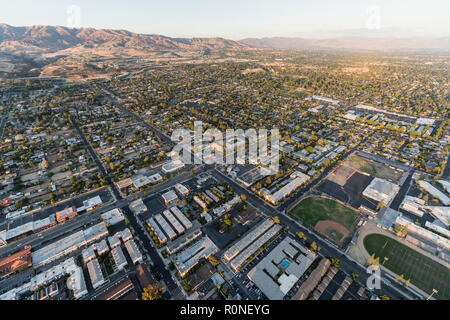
pixel 424 272
pixel 314 209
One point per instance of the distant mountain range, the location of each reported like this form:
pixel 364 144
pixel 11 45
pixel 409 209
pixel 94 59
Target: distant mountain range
pixel 352 43
pixel 49 39
pixel 52 39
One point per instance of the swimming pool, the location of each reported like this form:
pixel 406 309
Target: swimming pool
pixel 285 264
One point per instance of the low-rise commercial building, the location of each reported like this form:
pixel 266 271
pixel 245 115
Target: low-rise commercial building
pixel 15 262
pixel 66 214
pixel 113 217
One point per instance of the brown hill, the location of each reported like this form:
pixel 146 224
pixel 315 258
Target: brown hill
pixel 50 39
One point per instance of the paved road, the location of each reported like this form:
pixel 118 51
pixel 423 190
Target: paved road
pixel 3 120
pixel 327 248
pixel 141 233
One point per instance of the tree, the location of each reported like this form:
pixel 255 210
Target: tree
pixel 276 220
pixel 213 260
pixel 243 197
pixel 192 172
pixel 44 164
pixel 384 297
pixel 399 278
pixel 407 282
pixel 335 262
pixel 380 205
pixel 152 292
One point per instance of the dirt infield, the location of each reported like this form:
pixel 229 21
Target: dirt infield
pixel 324 226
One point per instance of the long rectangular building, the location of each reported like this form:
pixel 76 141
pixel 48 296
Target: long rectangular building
pixel 119 258
pixel 185 221
pixel 237 262
pixel 95 273
pixel 188 258
pixel 154 226
pixel 165 226
pixel 173 221
pixel 68 244
pixel 133 251
pixel 247 240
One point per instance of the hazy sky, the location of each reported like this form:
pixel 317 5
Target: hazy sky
pixel 237 19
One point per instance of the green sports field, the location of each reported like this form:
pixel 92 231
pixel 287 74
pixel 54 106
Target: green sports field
pixel 424 272
pixel 315 209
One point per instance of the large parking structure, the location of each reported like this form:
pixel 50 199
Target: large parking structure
pixel 424 272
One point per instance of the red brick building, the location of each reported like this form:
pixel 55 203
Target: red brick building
pixel 15 262
pixel 66 214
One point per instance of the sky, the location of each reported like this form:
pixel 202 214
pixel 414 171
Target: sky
pixel 238 19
